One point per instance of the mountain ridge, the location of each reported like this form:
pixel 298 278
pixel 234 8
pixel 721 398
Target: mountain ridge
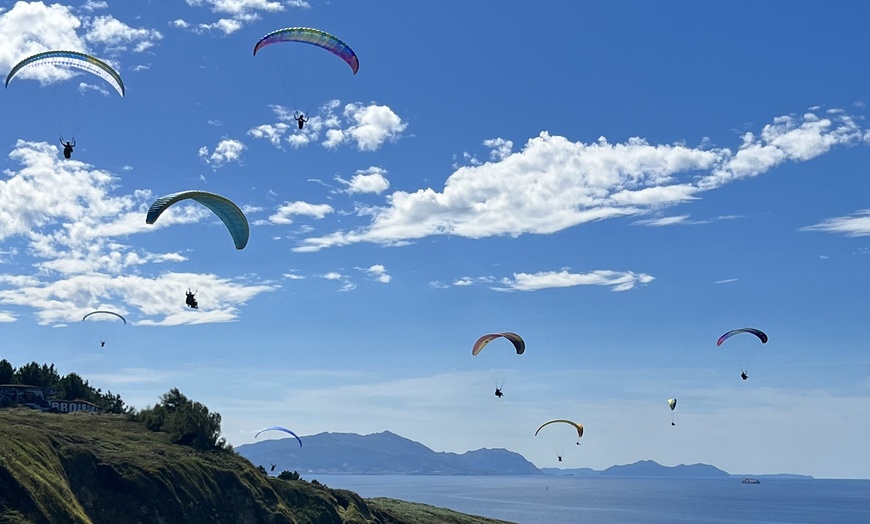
pixel 386 453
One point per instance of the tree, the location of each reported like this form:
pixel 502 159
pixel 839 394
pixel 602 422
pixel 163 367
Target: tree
pixel 33 374
pixel 187 422
pixel 286 475
pixel 74 388
pixel 7 372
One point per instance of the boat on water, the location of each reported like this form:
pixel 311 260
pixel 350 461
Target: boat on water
pixel 748 480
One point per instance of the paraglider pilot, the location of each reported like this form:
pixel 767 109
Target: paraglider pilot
pixel 300 119
pixel 102 343
pixel 559 457
pixel 68 147
pixel 743 375
pixel 273 467
pixel 191 300
pixel 498 392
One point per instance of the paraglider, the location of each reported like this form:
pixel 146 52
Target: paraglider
pixel 744 366
pixel 191 300
pixel 515 339
pixel 762 336
pixel 225 209
pixel 73 59
pixel 104 312
pixel 68 147
pixel 314 37
pixel 300 119
pixel 498 375
pixel 279 428
pixel 672 403
pixel 574 425
pixel 560 433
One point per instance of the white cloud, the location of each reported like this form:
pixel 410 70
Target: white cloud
pixel 726 281
pixel 378 273
pixel 372 125
pixel 238 7
pixel 227 150
pixel 664 221
pixel 553 183
pixel 91 5
pixel 368 127
pixel 66 215
pixel 113 33
pixel 30 28
pixel 616 280
pixel 271 132
pixel 240 11
pixel 855 225
pixel 371 180
pixel 346 284
pixel 226 26
pixel 501 148
pixel 288 209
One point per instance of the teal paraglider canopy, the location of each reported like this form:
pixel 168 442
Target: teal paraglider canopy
pixel 225 209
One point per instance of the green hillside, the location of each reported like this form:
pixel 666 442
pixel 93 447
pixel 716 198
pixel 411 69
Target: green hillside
pixel 88 468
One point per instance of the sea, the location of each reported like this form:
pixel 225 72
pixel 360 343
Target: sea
pixel 545 499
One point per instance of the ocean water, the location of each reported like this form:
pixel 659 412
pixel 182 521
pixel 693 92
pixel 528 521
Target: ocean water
pixel 570 500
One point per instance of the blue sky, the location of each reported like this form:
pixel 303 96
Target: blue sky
pixel 619 184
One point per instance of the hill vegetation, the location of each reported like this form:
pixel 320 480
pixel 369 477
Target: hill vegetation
pixel 163 464
pixel 67 387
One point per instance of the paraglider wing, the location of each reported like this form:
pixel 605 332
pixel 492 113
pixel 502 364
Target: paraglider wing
pixel 104 312
pixel 74 59
pixel 672 402
pixel 562 421
pixel 757 332
pixel 515 339
pixel 279 428
pixel 311 36
pixel 225 209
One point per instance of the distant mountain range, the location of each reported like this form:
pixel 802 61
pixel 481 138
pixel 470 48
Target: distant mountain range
pixel 379 454
pixel 386 453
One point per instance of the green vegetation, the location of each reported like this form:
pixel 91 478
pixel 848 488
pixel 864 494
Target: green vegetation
pixel 187 422
pixel 162 464
pixel 67 387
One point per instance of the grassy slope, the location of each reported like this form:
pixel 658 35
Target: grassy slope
pixel 84 468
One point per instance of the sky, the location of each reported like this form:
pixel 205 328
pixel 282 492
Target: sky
pixel 620 183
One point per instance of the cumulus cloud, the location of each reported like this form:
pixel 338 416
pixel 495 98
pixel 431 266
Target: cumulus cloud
pixel 116 35
pixel 68 218
pixel 286 211
pixel 371 180
pixel 227 150
pixel 92 5
pixel 854 225
pixel 240 12
pixel 367 127
pixel 32 27
pixel 378 273
pixel 553 183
